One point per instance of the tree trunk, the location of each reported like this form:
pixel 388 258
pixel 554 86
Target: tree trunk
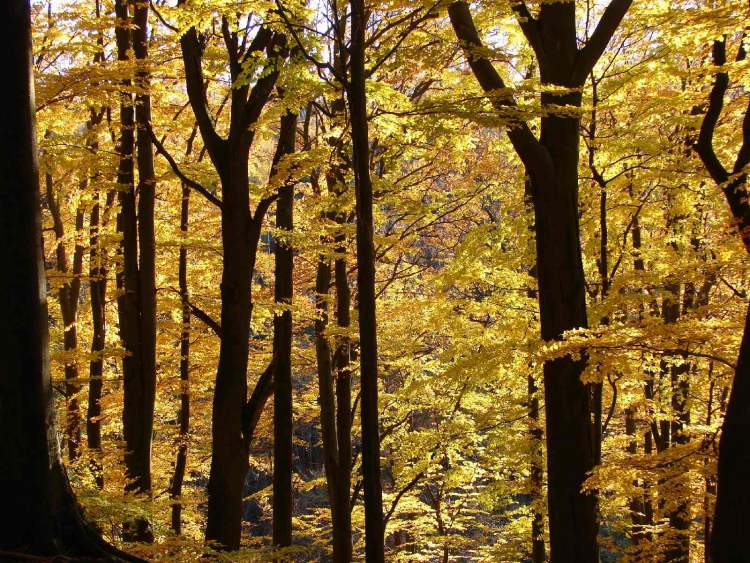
pixel 373 495
pixel 145 391
pixel 282 330
pixel 536 476
pixel 137 412
pixel 233 417
pixel 229 461
pixel 37 507
pixel 728 542
pixel 98 292
pixel 182 448
pixel 342 537
pixel 562 304
pixel 731 520
pixel 68 294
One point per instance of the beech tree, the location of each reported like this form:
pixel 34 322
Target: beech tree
pixel 552 165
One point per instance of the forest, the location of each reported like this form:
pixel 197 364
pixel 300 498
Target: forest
pixel 375 280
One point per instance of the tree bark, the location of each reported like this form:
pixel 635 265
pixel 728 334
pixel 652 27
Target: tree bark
pixel 98 292
pixel 137 412
pixel 68 294
pixel 282 331
pixel 145 391
pixel 233 416
pixel 355 91
pixel 175 490
pixel 37 507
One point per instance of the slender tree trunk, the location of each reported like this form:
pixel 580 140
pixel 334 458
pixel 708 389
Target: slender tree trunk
pixel 182 448
pixel 342 540
pixel 37 507
pixel 145 391
pixel 282 330
pixel 676 367
pixel 326 395
pixel 98 291
pixel 373 495
pixel 68 294
pixel 536 434
pixel 137 414
pixel 536 475
pixel 335 401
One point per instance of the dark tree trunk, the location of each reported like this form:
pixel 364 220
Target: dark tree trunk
pixel 373 495
pixel 144 391
pixel 676 369
pixel 98 291
pixel 137 412
pixel 175 489
pixel 68 294
pixel 229 461
pixel 335 399
pixel 536 475
pixel 342 535
pixel 282 332
pixel 732 519
pixel 37 507
pixel 536 434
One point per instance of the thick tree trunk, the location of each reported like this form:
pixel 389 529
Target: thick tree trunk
pixel 37 507
pixel 175 489
pixel 282 332
pixel 373 495
pixel 562 303
pixel 728 541
pixel 731 519
pixel 234 416
pixel 229 461
pixel 552 165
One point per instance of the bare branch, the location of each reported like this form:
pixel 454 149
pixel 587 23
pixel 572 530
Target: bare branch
pixel 605 29
pixel 176 169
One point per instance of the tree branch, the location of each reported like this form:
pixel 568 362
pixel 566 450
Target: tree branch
pixel 530 27
pixel 176 169
pixel 605 29
pixel 531 152
pixel 191 57
pixel 733 186
pixel 257 402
